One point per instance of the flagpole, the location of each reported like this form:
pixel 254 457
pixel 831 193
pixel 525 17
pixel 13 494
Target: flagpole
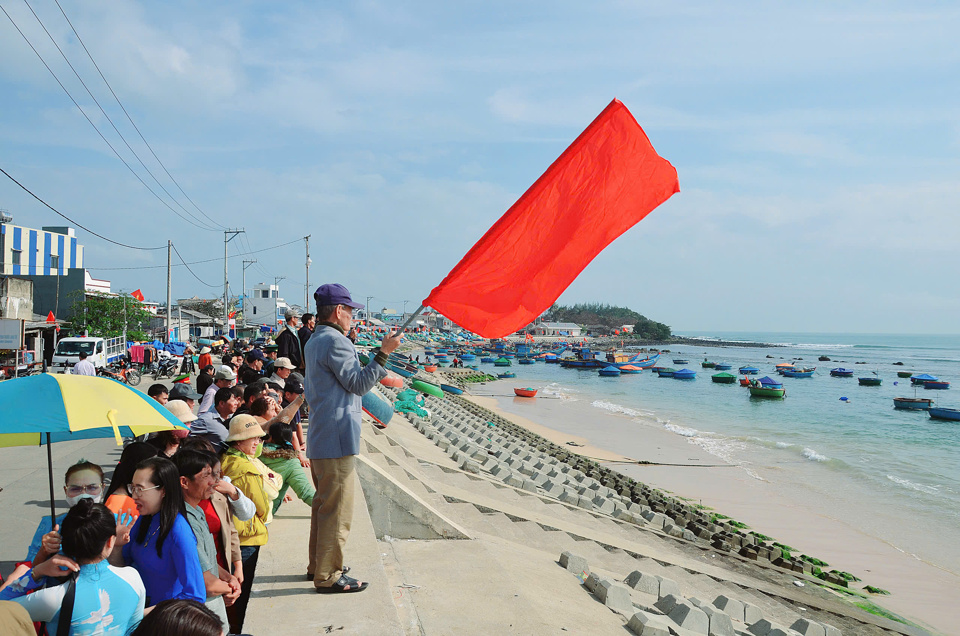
pixel 412 317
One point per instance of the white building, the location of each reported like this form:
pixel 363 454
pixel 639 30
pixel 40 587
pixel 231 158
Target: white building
pixel 48 251
pixel 264 306
pixel 570 329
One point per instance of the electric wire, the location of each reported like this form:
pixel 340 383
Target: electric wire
pixel 208 260
pixel 83 227
pixel 188 267
pixel 130 119
pixel 114 126
pixel 90 121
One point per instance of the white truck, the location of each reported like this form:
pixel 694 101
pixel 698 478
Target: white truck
pixel 100 351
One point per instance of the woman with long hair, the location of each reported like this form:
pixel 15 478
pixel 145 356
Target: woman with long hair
pixel 161 545
pixel 105 599
pixel 117 498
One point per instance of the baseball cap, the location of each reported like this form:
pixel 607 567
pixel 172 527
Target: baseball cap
pixel 283 363
pixel 334 294
pixel 244 427
pixel 256 354
pixel 293 385
pixel 183 391
pixel 225 373
pixel 291 313
pixel 271 347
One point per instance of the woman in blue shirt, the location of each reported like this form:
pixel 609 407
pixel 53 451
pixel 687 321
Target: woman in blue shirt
pixel 161 545
pixel 107 600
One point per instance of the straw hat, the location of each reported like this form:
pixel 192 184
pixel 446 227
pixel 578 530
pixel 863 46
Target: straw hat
pixel 205 350
pixel 181 411
pixel 244 427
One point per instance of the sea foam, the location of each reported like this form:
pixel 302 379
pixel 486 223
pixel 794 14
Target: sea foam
pixel 906 483
pixel 615 408
pixel 813 455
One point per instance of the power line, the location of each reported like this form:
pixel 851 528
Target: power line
pixel 90 121
pixel 86 229
pixel 188 267
pixel 130 119
pixel 209 260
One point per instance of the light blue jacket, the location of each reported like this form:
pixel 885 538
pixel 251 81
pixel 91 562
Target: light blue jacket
pixel 334 384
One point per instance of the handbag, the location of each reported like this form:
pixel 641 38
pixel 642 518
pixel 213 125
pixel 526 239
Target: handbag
pixel 66 607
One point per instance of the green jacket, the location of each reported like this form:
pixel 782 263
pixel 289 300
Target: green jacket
pixel 283 460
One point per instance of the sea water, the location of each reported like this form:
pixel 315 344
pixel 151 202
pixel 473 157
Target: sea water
pixel 894 474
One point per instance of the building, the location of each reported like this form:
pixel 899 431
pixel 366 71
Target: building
pixel 568 329
pixel 45 252
pixel 264 306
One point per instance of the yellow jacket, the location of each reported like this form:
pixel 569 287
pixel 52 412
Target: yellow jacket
pixel 245 476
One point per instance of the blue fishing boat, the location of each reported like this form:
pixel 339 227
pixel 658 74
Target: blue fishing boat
pixel 466 357
pixel 684 374
pixel 504 376
pixel 527 361
pixel 870 381
pixel 584 364
pixel 609 372
pixel 940 413
pixel 551 358
pixel 799 373
pixel 666 372
pixel 840 372
pixel 723 366
pixel 638 361
pixel 449 388
pixel 629 368
pixel 912 404
pixel 487 359
pixel 936 384
pixel 401 371
pixel 681 361
pixel 923 377
pixel 749 370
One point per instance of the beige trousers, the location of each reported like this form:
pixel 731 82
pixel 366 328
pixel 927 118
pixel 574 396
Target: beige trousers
pixel 331 516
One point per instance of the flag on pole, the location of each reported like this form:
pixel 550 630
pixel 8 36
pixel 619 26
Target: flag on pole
pixel 138 295
pixel 51 317
pixel 603 184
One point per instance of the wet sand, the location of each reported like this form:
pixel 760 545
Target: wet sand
pixel 921 591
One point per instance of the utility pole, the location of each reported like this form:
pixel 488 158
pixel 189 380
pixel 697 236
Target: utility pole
pixel 226 297
pixel 169 245
pixel 366 310
pixel 306 287
pixel 243 294
pixel 124 294
pixel 276 302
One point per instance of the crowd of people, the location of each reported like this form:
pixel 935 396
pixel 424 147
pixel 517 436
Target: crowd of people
pixel 171 544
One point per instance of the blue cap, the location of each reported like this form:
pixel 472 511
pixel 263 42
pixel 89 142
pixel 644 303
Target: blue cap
pixel 334 294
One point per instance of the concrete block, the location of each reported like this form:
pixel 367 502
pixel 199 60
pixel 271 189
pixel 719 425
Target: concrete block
pixel 570 497
pixel 655 519
pixel 667 603
pixel 593 580
pixel 513 480
pixel 689 536
pixel 731 607
pixel 576 564
pixel 615 596
pixel 470 466
pixel 831 630
pixel 642 582
pixel 644 624
pixel 603 504
pixel 529 485
pixel 763 627
pixel 751 613
pixel 668 587
pixel 689 617
pixel 500 470
pixel 781 631
pixel 720 623
pixel 584 503
pixel 808 627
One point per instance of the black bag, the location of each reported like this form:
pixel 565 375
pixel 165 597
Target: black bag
pixel 66 608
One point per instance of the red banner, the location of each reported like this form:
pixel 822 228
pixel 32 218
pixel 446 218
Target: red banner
pixel 603 184
pixel 138 295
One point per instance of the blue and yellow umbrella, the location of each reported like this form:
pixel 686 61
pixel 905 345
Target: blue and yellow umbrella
pixel 50 408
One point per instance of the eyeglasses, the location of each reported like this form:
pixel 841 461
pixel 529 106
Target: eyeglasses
pixel 90 489
pixel 137 491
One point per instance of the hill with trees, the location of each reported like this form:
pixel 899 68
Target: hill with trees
pixel 610 317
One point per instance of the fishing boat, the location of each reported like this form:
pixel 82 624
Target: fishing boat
pixel 487 359
pixel 449 388
pixel 526 361
pixel 749 370
pixel 912 404
pixel 840 372
pixel 584 364
pixel 502 362
pixel 684 374
pixel 507 375
pixel 401 371
pixel 609 372
pixel 785 366
pixel 922 378
pixel 800 373
pixel 936 384
pixel 427 388
pixel 770 382
pixel 392 381
pixel 723 378
pixel 681 361
pixel 629 368
pixel 940 413
pixel 666 372
pixel 904 374
pixel 430 368
pixel 551 358
pixel 745 381
pixel 525 392
pixel 642 363
pixel 468 357
pixel 870 381
pixel 706 364
pixel 723 366
pixel 767 391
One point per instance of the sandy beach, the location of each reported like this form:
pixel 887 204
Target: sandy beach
pixel 921 591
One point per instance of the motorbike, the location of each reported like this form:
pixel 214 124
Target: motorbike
pixel 166 368
pixel 121 372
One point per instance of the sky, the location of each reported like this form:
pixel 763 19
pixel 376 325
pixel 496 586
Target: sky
pixel 816 145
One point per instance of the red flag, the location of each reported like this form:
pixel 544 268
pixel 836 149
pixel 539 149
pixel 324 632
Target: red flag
pixel 51 317
pixel 608 180
pixel 231 314
pixel 138 295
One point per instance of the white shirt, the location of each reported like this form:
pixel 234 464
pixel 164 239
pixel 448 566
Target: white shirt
pixel 84 367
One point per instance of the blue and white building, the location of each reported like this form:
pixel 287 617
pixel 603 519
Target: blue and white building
pixel 49 251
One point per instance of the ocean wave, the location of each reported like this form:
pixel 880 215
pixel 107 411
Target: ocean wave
pixel 615 408
pixel 681 430
pixel 556 390
pixel 783 445
pixel 813 455
pixel 906 483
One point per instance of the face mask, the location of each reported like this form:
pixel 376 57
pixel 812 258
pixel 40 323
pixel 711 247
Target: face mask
pixel 73 501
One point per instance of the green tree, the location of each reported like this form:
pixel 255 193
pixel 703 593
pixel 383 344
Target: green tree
pixel 103 315
pixel 651 330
